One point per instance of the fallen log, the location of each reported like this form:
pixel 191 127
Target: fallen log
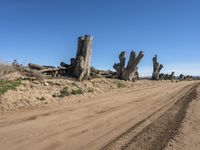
pixel 39 67
pixel 54 71
pixel 35 66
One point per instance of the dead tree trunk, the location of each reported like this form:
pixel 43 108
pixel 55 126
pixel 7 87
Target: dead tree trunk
pixel 172 76
pixel 181 77
pixel 156 68
pixel 130 72
pixel 120 67
pixel 81 64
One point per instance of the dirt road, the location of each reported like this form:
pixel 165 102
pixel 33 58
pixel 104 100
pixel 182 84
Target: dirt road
pixel 143 117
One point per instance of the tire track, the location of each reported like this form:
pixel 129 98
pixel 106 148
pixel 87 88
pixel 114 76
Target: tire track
pixel 158 133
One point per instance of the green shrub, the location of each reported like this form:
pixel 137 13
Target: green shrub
pixel 121 85
pixel 64 92
pixel 77 91
pixel 8 85
pixel 90 90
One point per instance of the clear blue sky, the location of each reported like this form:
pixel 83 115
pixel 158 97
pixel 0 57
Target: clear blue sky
pixel 46 31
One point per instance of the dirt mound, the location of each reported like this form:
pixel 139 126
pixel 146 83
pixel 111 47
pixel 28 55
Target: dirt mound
pixel 31 94
pixel 12 76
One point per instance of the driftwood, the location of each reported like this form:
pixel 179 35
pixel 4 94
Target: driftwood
pixel 156 68
pixel 130 72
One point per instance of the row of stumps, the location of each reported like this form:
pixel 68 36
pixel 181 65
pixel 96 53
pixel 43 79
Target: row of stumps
pixel 80 65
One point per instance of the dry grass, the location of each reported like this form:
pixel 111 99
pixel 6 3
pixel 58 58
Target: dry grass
pixel 6 69
pixel 15 70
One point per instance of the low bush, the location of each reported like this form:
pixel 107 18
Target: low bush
pixel 121 85
pixel 64 92
pixel 77 91
pixel 8 85
pixel 90 90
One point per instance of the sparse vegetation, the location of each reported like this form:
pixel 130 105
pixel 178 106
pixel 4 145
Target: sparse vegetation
pixel 64 92
pixel 121 85
pixel 8 85
pixel 74 84
pixel 77 91
pixel 6 69
pixel 90 90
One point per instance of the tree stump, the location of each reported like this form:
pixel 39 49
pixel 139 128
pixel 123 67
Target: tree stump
pixel 81 64
pixel 156 68
pixel 172 76
pixel 181 77
pixel 130 72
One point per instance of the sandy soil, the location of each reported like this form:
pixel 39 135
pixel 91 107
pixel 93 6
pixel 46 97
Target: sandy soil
pixel 189 133
pixel 129 118
pixel 32 94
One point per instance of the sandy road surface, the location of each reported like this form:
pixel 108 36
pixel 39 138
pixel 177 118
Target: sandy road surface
pixel 188 137
pixel 117 120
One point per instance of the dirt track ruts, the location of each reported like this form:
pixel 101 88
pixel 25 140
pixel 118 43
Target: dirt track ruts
pixel 131 114
pixel 157 134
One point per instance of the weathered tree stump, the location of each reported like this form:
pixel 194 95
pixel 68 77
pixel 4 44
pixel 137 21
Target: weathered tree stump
pixel 172 76
pixel 81 64
pixel 163 76
pixel 130 72
pixel 156 68
pixel 181 77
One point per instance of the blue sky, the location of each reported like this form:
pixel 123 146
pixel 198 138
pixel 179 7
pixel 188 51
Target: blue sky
pixel 46 31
